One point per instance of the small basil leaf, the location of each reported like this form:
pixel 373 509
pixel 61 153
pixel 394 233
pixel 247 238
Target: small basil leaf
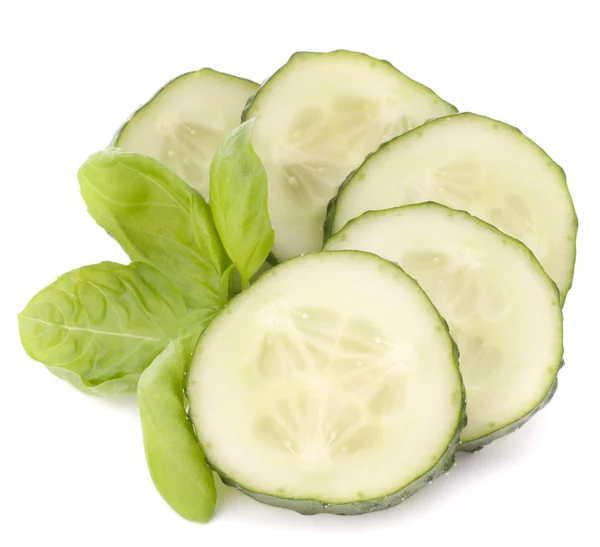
pixel 175 460
pixel 100 326
pixel 238 200
pixel 158 219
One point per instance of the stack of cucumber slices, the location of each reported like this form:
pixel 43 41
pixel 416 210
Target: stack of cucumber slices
pixel 327 301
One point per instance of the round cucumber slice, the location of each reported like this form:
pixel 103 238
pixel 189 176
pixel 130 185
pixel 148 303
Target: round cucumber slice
pixel 330 385
pixel 502 308
pixel 316 119
pixel 477 164
pixel 186 121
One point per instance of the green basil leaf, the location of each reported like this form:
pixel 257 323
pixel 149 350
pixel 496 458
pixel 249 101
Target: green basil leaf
pixel 238 200
pixel 158 219
pixel 100 326
pixel 190 326
pixel 175 460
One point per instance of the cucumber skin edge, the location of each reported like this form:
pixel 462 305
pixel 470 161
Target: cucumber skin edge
pixel 332 205
pixel 313 507
pixel 252 99
pixel 477 444
pixel 116 137
pixel 336 52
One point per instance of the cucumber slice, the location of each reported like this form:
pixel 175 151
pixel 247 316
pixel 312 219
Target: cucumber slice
pixel 502 308
pixel 340 392
pixel 477 164
pixel 316 119
pixel 186 121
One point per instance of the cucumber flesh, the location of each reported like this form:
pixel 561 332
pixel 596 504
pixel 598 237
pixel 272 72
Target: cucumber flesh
pixel 502 308
pixel 316 119
pixel 478 444
pixel 184 124
pixel 306 398
pixel 479 165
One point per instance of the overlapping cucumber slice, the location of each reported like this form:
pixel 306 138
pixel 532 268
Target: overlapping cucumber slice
pixel 477 164
pixel 185 122
pixel 330 385
pixel 503 310
pixel 316 119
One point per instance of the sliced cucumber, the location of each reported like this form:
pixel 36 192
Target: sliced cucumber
pixel 316 119
pixel 502 308
pixel 185 122
pixel 474 163
pixel 330 385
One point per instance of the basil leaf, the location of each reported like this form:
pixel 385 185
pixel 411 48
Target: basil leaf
pixel 190 326
pixel 158 219
pixel 238 200
pixel 100 326
pixel 175 459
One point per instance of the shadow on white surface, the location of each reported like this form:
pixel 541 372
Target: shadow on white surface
pixel 126 403
pixel 469 469
pixel 471 473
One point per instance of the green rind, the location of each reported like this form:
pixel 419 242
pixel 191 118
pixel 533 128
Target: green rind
pixel 253 99
pixel 328 232
pixel 478 443
pixel 203 71
pixel 313 507
pixel 333 204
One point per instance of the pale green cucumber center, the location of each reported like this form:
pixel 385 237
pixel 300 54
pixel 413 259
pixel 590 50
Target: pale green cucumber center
pixel 335 379
pixel 184 124
pixel 319 148
pixel 475 164
pixel 466 184
pixel 502 310
pixel 332 378
pixel 187 148
pixel 316 120
pixel 470 296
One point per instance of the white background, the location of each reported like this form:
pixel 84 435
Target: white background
pixel 72 469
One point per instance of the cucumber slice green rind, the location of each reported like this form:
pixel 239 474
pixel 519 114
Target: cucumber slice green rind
pixel 307 506
pixel 252 100
pixel 222 116
pixel 472 445
pixel 314 507
pixel 298 211
pixel 564 279
pixel 478 444
pixel 332 206
pixel 252 87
